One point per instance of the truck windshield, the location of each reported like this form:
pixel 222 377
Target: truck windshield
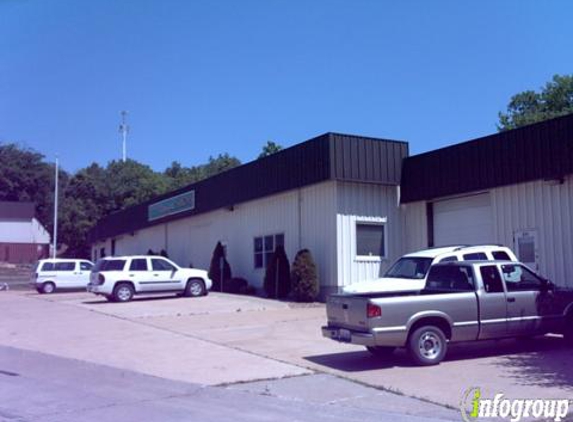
pixel 415 268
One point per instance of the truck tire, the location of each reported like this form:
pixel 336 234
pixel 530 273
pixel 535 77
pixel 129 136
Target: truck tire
pixel 427 345
pixel 194 288
pixel 381 351
pixel 123 292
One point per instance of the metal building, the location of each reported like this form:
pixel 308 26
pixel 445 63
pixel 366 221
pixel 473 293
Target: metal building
pixel 336 195
pixel 359 203
pixel 514 188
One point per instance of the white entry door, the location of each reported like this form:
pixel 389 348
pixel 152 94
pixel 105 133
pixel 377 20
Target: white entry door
pixel 463 221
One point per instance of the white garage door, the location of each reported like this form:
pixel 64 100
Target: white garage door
pixel 467 220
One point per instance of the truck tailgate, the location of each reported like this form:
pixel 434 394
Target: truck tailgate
pixel 347 312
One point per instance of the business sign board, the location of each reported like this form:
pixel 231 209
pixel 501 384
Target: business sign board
pixel 171 206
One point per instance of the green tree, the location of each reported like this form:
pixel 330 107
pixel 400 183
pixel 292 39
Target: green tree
pixel 277 275
pixel 26 177
pixel 132 183
pixel 269 148
pixel 553 100
pixel 219 164
pixel 304 277
pixel 179 176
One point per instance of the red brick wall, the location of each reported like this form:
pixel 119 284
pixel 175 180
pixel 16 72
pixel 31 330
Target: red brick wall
pixel 22 253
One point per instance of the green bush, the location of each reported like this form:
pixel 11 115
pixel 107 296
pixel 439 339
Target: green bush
pixel 304 277
pixel 277 276
pixel 215 268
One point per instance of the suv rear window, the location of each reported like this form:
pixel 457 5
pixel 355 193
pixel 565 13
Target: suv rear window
pixel 450 279
pixel 109 265
pixel 476 256
pixel 501 255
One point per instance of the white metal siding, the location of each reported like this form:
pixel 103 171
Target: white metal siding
pixel 546 207
pixel 305 216
pixel 17 231
pixel 465 220
pixel 415 226
pixel 367 203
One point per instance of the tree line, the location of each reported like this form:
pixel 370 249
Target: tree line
pixel 94 192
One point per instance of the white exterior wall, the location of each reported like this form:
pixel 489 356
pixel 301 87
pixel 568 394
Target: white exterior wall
pixel 540 206
pixel 306 217
pixel 366 203
pixel 415 226
pixel 546 207
pixel 17 231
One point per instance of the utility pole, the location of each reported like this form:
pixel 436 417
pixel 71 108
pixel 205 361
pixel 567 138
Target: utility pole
pixel 54 253
pixel 124 130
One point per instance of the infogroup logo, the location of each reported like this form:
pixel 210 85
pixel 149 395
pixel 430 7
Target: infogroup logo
pixel 473 406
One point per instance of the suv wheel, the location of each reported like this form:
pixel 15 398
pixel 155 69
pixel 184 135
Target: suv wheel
pixel 123 292
pixel 427 345
pixel 194 288
pixel 48 287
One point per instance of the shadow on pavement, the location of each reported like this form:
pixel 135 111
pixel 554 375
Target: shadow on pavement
pixel 154 298
pixel 543 360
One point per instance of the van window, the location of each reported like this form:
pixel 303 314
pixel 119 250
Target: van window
pixel 450 258
pixel 476 256
pixel 450 279
pixel 161 265
pixel 65 266
pixel 501 256
pixel 47 266
pixel 491 279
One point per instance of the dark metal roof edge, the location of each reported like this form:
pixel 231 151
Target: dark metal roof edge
pixel 547 122
pixel 372 138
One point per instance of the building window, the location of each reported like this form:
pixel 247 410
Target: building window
pixel 264 247
pixel 370 240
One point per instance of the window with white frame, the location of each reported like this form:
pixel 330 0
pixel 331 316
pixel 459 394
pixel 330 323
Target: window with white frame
pixel 370 239
pixel 264 247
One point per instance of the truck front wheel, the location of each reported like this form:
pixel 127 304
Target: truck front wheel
pixel 427 345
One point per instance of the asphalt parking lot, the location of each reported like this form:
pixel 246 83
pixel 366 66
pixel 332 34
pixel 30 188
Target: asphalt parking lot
pixel 239 341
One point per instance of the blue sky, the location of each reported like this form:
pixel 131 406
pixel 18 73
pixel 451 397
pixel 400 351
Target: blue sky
pixel 205 77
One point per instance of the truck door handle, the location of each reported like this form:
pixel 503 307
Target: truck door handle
pixel 511 299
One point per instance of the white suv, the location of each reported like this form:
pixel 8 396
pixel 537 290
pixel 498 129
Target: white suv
pixel 410 271
pixel 59 274
pixel 120 278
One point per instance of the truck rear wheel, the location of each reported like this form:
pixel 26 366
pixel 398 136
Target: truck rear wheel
pixel 427 345
pixel 381 351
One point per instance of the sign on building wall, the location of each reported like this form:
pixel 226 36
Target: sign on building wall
pixel 170 206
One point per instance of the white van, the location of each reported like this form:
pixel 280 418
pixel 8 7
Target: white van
pixel 61 274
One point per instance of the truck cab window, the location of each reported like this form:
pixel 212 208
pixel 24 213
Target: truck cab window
pixel 491 279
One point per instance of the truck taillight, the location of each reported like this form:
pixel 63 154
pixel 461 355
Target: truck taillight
pixel 373 311
pixel 101 278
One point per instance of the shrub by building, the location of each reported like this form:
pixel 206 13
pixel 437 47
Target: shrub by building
pixel 304 277
pixel 218 262
pixel 277 275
